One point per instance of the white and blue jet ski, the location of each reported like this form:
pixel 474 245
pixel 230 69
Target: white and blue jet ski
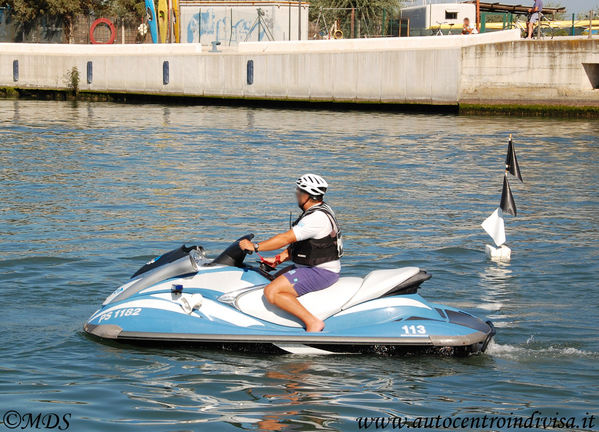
pixel 183 297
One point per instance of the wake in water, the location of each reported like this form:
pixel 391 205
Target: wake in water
pixel 528 350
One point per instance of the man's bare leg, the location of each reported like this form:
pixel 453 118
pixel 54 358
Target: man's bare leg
pixel 280 292
pixel 530 27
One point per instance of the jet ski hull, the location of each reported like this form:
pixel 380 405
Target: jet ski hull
pixel 391 329
pixel 278 345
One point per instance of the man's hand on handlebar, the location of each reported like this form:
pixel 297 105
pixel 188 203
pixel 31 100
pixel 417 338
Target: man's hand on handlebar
pixel 246 245
pixel 273 261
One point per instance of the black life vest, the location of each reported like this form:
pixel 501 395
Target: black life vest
pixel 312 252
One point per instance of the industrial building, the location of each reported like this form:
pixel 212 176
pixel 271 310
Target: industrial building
pixel 421 19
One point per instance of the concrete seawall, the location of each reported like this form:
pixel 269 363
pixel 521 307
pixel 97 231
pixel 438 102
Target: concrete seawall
pixel 487 69
pixel 563 71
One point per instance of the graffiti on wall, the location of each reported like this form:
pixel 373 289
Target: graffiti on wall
pixel 224 24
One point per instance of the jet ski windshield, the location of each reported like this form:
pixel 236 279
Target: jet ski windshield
pixel 233 255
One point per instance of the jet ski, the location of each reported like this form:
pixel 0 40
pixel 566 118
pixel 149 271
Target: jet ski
pixel 183 297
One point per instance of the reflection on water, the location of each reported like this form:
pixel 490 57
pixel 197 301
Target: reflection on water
pixel 91 191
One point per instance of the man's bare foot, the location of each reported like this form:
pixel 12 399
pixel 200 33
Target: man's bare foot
pixel 315 326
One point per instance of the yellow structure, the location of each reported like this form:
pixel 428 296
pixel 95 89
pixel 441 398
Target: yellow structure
pixel 162 20
pixel 175 21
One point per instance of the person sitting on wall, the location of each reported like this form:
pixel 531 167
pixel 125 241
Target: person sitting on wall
pixel 467 28
pixel 534 12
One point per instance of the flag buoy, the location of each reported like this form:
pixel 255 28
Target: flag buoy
pixel 502 253
pixel 494 225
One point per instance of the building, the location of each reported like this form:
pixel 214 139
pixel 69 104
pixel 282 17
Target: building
pixel 231 22
pixel 430 16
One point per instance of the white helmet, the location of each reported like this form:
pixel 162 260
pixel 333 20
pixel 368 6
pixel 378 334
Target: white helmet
pixel 312 184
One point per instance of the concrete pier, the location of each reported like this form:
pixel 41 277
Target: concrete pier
pixel 487 69
pixel 562 71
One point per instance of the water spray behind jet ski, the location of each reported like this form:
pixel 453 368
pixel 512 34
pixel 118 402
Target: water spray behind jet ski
pixel 494 225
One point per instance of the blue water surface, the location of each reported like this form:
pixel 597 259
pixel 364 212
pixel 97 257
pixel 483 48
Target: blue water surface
pixel 91 191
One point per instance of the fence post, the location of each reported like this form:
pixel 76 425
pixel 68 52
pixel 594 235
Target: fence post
pixel 299 20
pixel 352 30
pixel 384 19
pixel 591 24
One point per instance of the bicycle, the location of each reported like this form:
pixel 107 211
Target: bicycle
pixel 439 31
pixel 543 26
pixel 547 25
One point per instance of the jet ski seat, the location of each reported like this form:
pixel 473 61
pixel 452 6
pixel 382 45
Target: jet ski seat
pixel 345 293
pixel 322 304
pixel 378 283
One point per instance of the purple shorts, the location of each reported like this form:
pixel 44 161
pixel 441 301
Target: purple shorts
pixel 308 279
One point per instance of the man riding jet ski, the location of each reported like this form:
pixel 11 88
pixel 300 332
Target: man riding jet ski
pixel 315 247
pixel 184 297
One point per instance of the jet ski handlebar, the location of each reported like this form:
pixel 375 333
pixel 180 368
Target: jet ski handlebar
pixel 234 255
